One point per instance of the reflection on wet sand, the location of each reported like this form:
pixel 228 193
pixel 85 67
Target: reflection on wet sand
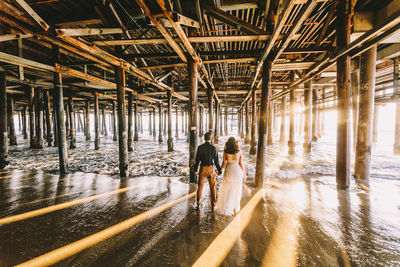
pixel 299 218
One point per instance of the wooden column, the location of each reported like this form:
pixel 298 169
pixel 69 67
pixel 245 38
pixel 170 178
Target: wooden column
pixel 396 89
pixel 253 142
pixel 141 122
pixel 114 121
pixel 226 121
pixel 48 119
pixel 210 94
pixel 150 124
pixel 221 128
pixel 262 123
pixel 87 121
pixel 122 142
pixel 55 144
pixel 314 115
pixel 343 156
pixel 365 117
pixel 130 121
pixel 39 117
pixel 10 118
pixel 247 137
pixel 270 139
pixel 239 120
pixel 160 139
pixel 307 116
pixel 283 120
pixel 165 122
pixel 136 136
pixel 170 141
pixel 291 142
pixel 66 118
pixel 192 74
pixel 24 123
pixel 58 103
pixel 354 98
pixel 183 120
pixel 176 122
pixel 3 120
pixel 200 121
pixel 154 123
pixel 72 129
pixel 96 122
pixel 216 132
pixel 103 113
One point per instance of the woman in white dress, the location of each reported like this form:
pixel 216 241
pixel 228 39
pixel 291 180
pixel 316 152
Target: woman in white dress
pixel 230 193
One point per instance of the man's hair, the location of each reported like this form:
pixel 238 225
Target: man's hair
pixel 207 136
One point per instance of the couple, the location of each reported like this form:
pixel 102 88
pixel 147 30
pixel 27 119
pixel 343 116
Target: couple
pixel 231 190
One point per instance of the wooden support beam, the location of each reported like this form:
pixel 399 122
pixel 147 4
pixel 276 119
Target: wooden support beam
pixel 3 121
pixel 291 142
pixel 160 138
pixel 96 121
pixel 130 122
pixel 72 127
pixel 283 120
pixel 58 102
pixel 210 94
pixel 79 23
pixel 343 155
pixel 365 117
pixel 33 14
pixel 247 125
pixel 87 121
pixel 307 117
pixel 136 135
pixel 49 136
pixel 38 117
pixel 253 142
pixel 192 39
pixel 88 31
pixel 231 20
pixel 122 142
pixel 262 123
pixel 314 114
pixel 14 36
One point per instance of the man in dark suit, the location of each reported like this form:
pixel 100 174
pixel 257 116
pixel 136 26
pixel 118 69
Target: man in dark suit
pixel 207 157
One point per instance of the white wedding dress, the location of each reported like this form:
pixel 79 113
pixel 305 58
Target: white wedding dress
pixel 230 194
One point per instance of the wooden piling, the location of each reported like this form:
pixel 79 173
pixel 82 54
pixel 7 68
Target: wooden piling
pixel 283 120
pixel 192 75
pixel 49 136
pixel 58 103
pixel 307 116
pixel 176 122
pixel 170 140
pixel 122 141
pixel 130 122
pixel 165 122
pixel 247 123
pixel 239 120
pixel 150 124
pixel 114 121
pixel 315 115
pixel 160 110
pixel 200 121
pixel 39 117
pixel 292 99
pixel 366 106
pixel 3 121
pixel 253 142
pixel 10 116
pixel 24 123
pixel 226 121
pixel 87 121
pixel 137 118
pixel 55 144
pixel 377 109
pixel 96 122
pixel 354 98
pixel 210 94
pixel 221 129
pixel 262 123
pixel 270 139
pixel 103 113
pixel 154 123
pixel 216 132
pixel 343 156
pixel 72 125
pixel 396 89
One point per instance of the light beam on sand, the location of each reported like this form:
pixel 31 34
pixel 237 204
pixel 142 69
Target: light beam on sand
pixel 62 253
pixel 38 212
pixel 217 251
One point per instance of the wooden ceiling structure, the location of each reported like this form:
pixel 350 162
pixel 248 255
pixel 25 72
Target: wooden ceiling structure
pixel 152 39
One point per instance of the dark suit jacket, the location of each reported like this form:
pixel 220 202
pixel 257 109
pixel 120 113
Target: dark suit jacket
pixel 207 155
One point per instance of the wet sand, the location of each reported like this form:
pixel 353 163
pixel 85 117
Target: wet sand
pixel 301 218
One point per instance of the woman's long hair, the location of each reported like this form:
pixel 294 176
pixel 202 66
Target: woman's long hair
pixel 231 146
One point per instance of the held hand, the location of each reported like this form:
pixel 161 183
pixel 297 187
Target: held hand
pixel 196 173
